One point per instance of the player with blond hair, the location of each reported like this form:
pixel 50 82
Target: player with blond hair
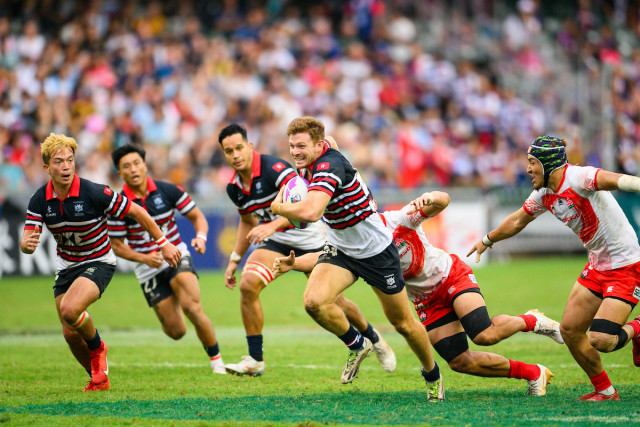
pixel 75 211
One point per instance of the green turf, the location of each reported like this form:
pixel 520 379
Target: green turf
pixel 158 381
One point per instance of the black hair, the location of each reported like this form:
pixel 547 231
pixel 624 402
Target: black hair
pixel 120 152
pixel 232 129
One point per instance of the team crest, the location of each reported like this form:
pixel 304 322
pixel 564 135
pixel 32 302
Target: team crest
pixel 89 271
pixel 259 187
pixel 323 166
pixel 391 281
pixel 78 207
pixel 278 166
pixel 158 202
pixel 50 212
pixel 107 191
pixel 584 273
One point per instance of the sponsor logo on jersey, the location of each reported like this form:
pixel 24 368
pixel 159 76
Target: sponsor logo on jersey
pixel 451 290
pixel 610 289
pixel 278 166
pixel 323 166
pixel 636 293
pixel 472 277
pixel 50 212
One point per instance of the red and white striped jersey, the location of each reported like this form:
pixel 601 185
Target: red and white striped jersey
pixel 593 215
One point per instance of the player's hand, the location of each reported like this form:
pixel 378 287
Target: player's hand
pixel 229 275
pixel 31 243
pixel 260 232
pixel 154 259
pixel 171 254
pixel 479 249
pixel 425 200
pixel 332 142
pixel 199 245
pixel 280 197
pixel 283 264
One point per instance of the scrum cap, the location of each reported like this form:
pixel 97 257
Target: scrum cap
pixel 550 152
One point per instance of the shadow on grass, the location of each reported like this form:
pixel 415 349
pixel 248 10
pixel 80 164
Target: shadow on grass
pixel 487 406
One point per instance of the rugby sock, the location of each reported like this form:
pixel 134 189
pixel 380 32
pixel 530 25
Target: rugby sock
pixel 530 321
pixel 602 384
pixel 94 343
pixel 353 339
pixel 521 370
pixel 371 334
pixel 212 351
pixel 635 324
pixel 432 375
pixel 255 347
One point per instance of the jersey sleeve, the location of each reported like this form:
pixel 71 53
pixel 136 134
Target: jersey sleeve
pixel 328 176
pixel 179 198
pixel 281 172
pixel 533 205
pixel 584 177
pixel 117 227
pixel 403 218
pixel 110 202
pixel 35 210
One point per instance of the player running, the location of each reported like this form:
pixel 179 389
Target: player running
pixel 75 211
pixel 358 245
pixel 170 291
pixel 608 288
pixel 254 185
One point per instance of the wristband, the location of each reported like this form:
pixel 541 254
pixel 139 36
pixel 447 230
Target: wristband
pixel 202 237
pixel 162 242
pixel 629 183
pixel 486 240
pixel 235 257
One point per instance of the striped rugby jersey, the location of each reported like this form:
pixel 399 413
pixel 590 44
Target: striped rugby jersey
pixel 160 202
pixel 79 222
pixel 352 227
pixel 269 174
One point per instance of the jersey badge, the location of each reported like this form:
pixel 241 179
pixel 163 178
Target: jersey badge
pixel 636 293
pixel 472 277
pixel 278 166
pixel 259 187
pixel 391 281
pixel 158 202
pixel 50 213
pixel 323 166
pixel 78 208
pixel 107 191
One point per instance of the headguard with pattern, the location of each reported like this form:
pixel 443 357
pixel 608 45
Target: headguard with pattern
pixel 550 152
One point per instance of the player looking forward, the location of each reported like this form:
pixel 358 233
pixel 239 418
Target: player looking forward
pixel 170 291
pixel 609 286
pixel 75 211
pixel 254 185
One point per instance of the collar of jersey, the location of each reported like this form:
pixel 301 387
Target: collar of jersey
pixel 312 165
pixel 128 192
pixel 74 191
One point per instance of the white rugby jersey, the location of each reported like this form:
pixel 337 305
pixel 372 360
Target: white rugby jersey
pixel 424 267
pixel 352 226
pixel 593 215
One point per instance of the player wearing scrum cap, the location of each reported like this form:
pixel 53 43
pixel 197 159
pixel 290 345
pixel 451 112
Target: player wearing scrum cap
pixel 608 288
pixel 255 184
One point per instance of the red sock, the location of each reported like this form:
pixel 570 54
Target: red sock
pixel 635 324
pixel 601 381
pixel 530 320
pixel 522 370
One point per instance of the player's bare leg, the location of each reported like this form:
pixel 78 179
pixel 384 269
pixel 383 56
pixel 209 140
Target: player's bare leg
pixel 171 318
pixel 77 345
pixel 615 311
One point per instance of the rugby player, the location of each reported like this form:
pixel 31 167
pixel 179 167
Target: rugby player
pixel 358 245
pixel 608 288
pixel 170 291
pixel 254 185
pixel 75 211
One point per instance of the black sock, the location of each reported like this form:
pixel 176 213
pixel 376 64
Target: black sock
pixel 255 347
pixel 371 334
pixel 353 339
pixel 94 343
pixel 432 375
pixel 213 350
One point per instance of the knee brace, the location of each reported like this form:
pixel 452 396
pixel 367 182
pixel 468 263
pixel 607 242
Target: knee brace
pixel 451 347
pixel 260 270
pixel 608 327
pixel 476 321
pixel 82 320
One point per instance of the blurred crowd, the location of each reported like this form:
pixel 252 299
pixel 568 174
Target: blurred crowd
pixel 416 93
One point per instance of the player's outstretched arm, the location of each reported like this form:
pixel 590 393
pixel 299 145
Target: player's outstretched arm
pixel 201 226
pixel 170 253
pixel 609 181
pixel 245 225
pixel 431 203
pixel 121 249
pixel 30 240
pixel 510 226
pixel 304 263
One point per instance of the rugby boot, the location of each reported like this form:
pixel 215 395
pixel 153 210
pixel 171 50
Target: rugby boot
pixel 247 366
pixel 350 371
pixel 217 365
pixel 636 351
pixel 538 387
pixel 385 354
pixel 594 396
pixel 99 365
pixel 435 390
pixel 546 326
pixel 97 387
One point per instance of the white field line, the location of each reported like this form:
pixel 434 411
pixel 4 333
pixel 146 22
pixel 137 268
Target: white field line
pixel 587 418
pixel 200 365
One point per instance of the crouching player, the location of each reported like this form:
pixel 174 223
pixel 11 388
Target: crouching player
pixel 448 300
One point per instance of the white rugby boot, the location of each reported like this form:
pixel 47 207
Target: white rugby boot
pixel 546 326
pixel 217 365
pixel 350 371
pixel 435 390
pixel 538 387
pixel 247 366
pixel 385 354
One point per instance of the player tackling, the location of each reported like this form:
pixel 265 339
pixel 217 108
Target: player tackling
pixel 608 288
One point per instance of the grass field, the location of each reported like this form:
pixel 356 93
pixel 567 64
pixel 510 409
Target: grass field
pixel 157 381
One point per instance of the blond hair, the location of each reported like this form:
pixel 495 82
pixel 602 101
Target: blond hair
pixel 55 142
pixel 307 124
